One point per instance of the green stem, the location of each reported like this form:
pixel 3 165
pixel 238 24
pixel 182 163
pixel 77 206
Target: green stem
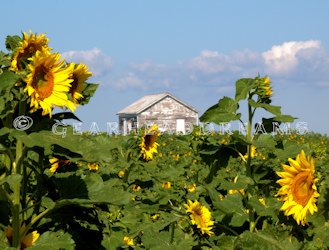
pixel 258 218
pixel 30 206
pixel 8 164
pixel 32 222
pixel 16 207
pixel 244 126
pixel 126 176
pixel 229 229
pixel 264 224
pixel 16 212
pixel 238 152
pixel 9 160
pixel 172 232
pixel 252 224
pixel 24 184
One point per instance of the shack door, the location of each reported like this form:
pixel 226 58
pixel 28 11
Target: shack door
pixel 180 126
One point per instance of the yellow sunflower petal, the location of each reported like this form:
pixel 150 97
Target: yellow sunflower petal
pixel 47 82
pixel 298 189
pixel 200 216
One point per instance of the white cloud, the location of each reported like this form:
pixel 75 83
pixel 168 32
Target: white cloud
pixel 208 68
pixel 282 60
pixel 131 80
pixel 303 62
pixel 98 61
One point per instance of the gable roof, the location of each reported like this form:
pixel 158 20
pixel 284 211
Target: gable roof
pixel 149 100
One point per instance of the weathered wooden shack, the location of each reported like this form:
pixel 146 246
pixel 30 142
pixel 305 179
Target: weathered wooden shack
pixel 168 112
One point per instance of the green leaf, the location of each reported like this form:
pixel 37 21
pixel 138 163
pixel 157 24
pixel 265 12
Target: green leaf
pixel 12 180
pixel 54 240
pixel 269 125
pixel 6 107
pixel 5 60
pixel 106 242
pixel 45 139
pixel 290 150
pixel 114 241
pixel 168 219
pixel 223 111
pixel 239 218
pixel 12 42
pixel 7 80
pixel 231 204
pixel 220 162
pixel 106 191
pixel 227 242
pixel 4 244
pixel 243 86
pixel 275 110
pixel 284 118
pixel 214 195
pixel 185 243
pixel 321 234
pixel 65 115
pixel 271 208
pixel 241 183
pixel 47 202
pixel 240 138
pixel 265 141
pixel 91 190
pixel 88 92
pixel 211 151
pixel 153 239
pixel 265 240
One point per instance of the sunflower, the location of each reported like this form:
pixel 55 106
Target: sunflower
pixel 268 89
pixel 236 191
pixel 149 144
pixel 55 163
pixel 200 216
pixel 252 153
pixel 298 189
pixel 79 75
pixel 93 166
pixel 121 174
pixel 47 82
pixel 154 217
pixel 261 200
pixel 192 188
pixel 136 188
pixel 166 184
pixel 263 90
pixel 28 46
pixel 128 241
pixel 27 241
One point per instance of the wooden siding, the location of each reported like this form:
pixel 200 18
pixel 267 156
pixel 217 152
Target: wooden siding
pixel 165 113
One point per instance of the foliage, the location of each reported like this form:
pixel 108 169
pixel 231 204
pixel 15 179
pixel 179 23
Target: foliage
pixel 98 191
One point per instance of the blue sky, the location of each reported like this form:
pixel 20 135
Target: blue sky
pixel 195 50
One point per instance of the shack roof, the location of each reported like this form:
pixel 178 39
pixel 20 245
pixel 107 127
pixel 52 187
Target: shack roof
pixel 149 100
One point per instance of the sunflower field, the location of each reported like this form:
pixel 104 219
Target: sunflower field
pixel 62 189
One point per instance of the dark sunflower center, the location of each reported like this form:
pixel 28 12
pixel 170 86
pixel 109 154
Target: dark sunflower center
pixel 43 82
pixel 148 142
pixel 302 189
pixel 74 85
pixel 28 52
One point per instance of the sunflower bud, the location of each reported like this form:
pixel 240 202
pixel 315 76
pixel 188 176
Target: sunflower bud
pixel 264 90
